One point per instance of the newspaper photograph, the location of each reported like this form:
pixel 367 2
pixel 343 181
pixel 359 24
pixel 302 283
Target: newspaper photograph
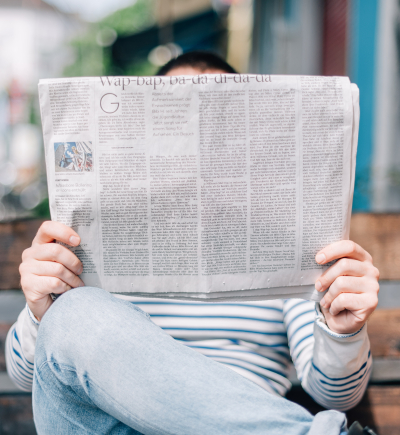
pixel 208 187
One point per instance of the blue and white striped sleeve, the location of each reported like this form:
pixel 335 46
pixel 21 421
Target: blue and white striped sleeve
pixel 20 349
pixel 333 368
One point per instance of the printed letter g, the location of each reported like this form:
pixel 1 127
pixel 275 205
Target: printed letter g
pixel 108 104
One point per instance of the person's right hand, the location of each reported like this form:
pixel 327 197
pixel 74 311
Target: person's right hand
pixel 49 267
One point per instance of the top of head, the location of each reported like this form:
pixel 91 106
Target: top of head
pixel 196 62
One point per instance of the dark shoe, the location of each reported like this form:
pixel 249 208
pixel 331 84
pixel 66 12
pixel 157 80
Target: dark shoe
pixel 357 429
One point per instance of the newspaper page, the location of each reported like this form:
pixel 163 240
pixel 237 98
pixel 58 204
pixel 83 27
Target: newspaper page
pixel 209 187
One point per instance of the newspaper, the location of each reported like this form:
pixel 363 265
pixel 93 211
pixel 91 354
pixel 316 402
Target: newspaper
pixel 207 187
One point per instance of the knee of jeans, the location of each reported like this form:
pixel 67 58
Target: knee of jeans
pixel 76 302
pixel 81 318
pixel 70 314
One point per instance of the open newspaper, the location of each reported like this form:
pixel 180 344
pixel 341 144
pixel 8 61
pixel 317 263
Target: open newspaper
pixel 215 187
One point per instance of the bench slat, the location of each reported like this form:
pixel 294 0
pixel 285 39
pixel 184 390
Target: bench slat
pixel 379 234
pixel 384 333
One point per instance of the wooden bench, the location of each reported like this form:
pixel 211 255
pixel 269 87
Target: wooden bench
pixel 379 234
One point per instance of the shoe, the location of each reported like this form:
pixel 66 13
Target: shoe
pixel 357 429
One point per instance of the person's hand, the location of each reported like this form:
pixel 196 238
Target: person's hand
pixel 353 286
pixel 49 267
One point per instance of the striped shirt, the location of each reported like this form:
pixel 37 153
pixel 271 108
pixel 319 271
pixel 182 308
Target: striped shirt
pixel 258 340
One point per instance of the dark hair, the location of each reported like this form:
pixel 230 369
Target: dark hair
pixel 202 60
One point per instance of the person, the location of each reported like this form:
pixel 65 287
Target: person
pixel 107 364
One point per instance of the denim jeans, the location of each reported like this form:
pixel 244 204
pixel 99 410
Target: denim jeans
pixel 103 367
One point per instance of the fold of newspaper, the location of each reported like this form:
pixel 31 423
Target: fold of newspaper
pixel 211 187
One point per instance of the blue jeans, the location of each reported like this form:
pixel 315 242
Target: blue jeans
pixel 103 367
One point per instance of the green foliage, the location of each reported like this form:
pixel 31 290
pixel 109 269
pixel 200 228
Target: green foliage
pixel 143 68
pixel 88 55
pixel 93 60
pixel 42 210
pixel 131 19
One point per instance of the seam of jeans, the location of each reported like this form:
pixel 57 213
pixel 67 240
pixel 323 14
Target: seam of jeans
pixel 70 369
pixel 139 310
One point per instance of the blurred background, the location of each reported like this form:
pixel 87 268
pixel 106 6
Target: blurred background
pixel 55 38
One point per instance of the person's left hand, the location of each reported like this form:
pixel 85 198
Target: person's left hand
pixel 353 286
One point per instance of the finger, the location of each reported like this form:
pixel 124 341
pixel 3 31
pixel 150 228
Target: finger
pixel 349 284
pixel 52 269
pixel 361 305
pixel 344 248
pixel 54 285
pixel 50 231
pixel 343 267
pixel 342 284
pixel 324 311
pixel 54 252
pixel 36 287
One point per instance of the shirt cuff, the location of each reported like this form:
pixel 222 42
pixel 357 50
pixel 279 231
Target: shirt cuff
pixel 32 317
pixel 321 322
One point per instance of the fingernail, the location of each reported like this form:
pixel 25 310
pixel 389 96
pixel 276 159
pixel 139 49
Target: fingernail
pixel 322 302
pixel 80 270
pixel 318 286
pixel 320 258
pixel 74 240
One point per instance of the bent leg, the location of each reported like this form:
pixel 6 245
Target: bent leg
pixel 101 361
